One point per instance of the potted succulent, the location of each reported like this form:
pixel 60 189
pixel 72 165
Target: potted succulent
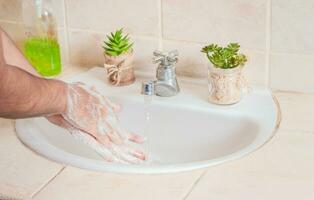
pixel 119 58
pixel 225 73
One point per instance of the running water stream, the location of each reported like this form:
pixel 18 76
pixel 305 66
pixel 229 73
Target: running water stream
pixel 147 127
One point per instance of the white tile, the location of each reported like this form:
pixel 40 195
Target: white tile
pixel 218 21
pixel 292 26
pixel 137 16
pixel 22 171
pixel 297 111
pixel 78 184
pixel 283 169
pixel 86 49
pixel 292 72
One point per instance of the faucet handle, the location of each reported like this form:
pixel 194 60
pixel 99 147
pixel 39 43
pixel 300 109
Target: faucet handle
pixel 165 58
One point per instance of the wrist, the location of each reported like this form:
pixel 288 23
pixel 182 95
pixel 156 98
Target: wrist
pixel 60 96
pixel 63 97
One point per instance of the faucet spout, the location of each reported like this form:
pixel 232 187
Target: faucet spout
pixel 148 88
pixel 166 84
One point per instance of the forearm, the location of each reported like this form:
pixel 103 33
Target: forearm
pixel 24 95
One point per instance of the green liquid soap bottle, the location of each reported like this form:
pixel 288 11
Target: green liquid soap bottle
pixel 41 46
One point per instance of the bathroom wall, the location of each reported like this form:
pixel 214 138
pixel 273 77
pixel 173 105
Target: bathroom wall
pixel 277 35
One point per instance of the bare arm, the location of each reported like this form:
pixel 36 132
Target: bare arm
pixel 23 94
pixel 88 115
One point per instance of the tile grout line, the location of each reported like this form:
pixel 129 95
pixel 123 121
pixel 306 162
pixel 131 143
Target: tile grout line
pixel 194 185
pixel 102 32
pixel 10 21
pixel 204 43
pixel 160 25
pixel 268 42
pixel 66 28
pixel 291 53
pixel 47 183
pixel 292 92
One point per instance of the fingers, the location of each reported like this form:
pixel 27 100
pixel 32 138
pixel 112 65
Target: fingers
pixel 139 154
pixel 116 135
pixel 96 124
pixel 108 150
pixel 114 106
pixel 104 139
pixel 127 150
pixel 136 138
pixel 93 144
pixel 115 138
pixel 128 154
pixel 59 121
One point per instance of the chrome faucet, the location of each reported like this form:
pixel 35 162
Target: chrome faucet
pixel 166 84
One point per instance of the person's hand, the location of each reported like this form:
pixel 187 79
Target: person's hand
pixel 108 154
pixel 92 118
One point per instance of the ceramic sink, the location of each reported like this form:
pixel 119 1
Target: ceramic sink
pixel 186 132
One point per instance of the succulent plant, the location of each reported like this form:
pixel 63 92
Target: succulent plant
pixel 224 57
pixel 117 43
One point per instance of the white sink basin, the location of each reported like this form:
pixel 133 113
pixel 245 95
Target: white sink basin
pixel 186 131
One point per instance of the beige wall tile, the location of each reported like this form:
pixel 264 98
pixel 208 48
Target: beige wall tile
pixel 144 48
pixel 58 8
pixel 22 171
pixel 297 111
pixel 63 46
pixel 15 31
pixel 137 16
pixel 292 26
pixel 191 61
pixel 282 169
pixel 218 21
pixel 292 72
pixel 11 10
pixel 86 49
pixel 255 69
pixel 79 184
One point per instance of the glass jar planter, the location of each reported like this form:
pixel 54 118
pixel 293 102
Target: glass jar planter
pixel 226 86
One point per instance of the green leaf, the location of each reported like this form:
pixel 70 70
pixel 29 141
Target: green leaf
pixel 117 43
pixel 224 57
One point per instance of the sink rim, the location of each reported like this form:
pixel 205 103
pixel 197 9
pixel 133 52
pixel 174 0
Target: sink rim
pixel 55 154
pixel 98 165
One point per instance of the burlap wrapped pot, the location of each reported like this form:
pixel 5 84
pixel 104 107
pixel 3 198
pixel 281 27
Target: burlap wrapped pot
pixel 119 69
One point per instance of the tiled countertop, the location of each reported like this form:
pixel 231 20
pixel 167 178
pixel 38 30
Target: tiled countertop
pixel 282 169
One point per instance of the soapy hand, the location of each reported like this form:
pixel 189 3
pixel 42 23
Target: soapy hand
pixel 91 118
